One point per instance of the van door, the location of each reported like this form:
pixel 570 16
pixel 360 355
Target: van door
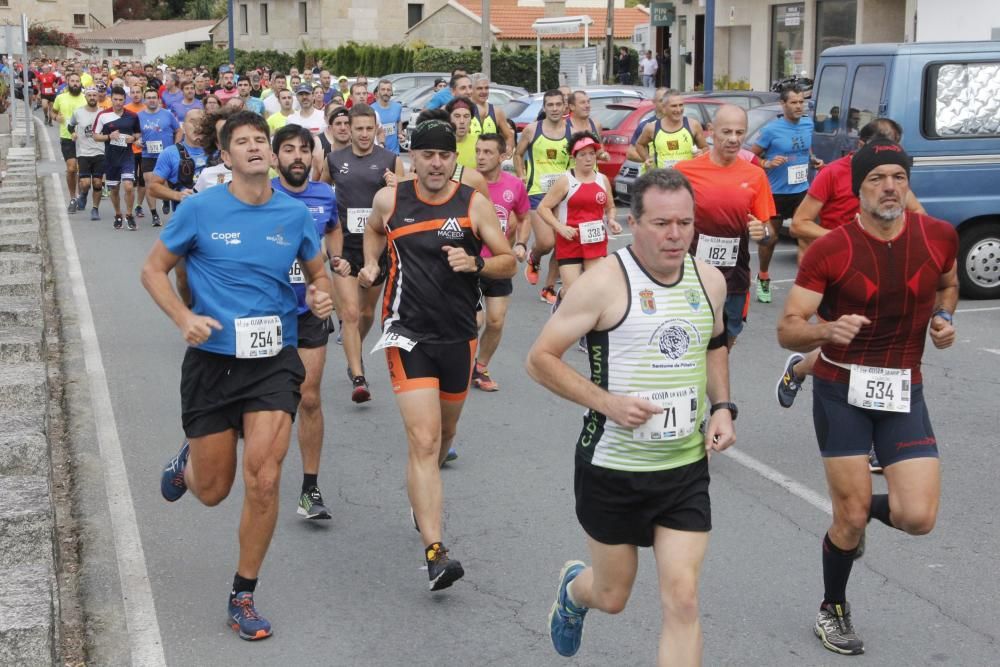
pixel 866 101
pixel 827 116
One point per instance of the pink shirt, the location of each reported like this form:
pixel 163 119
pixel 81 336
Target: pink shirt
pixel 508 195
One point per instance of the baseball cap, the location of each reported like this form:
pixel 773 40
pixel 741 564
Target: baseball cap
pixel 341 78
pixel 303 88
pixel 439 80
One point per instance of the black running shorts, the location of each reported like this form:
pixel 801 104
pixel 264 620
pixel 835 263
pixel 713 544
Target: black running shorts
pixel 355 256
pixel 843 429
pixel 313 332
pixel 146 166
pixel 446 367
pixel 217 390
pixel 620 507
pixel 91 166
pixel 68 148
pixel 785 205
pixel 491 287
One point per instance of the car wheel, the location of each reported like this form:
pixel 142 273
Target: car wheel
pixel 979 261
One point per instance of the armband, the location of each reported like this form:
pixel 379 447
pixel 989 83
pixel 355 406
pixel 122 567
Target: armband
pixel 717 341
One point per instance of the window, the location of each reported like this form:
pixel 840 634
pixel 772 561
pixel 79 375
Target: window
pixel 787 33
pixel 961 100
pixel 79 20
pixel 4 3
pixel 836 23
pixel 263 18
pixel 866 96
pixel 125 52
pixel 303 17
pixel 414 14
pixel 244 23
pixel 829 97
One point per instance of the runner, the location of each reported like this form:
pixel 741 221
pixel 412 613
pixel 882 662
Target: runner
pixel 250 102
pixel 241 374
pixel 733 206
pixel 540 159
pixel 652 317
pixel 673 137
pixel 173 93
pixel 63 106
pixel 459 85
pixel 307 117
pixel 579 120
pixel 293 148
pixel 137 104
pixel 279 118
pixel 47 82
pixel 436 229
pixel 227 90
pixel 510 201
pixel 489 119
pixel 160 130
pixel 389 116
pixel 187 102
pixel 460 113
pixel 178 166
pixel 217 172
pixel 868 385
pixel 358 173
pixel 89 153
pixel 335 137
pixel 785 146
pixel 119 129
pixel 272 103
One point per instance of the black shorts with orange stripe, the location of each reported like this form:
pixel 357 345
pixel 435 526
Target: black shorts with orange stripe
pixel 446 367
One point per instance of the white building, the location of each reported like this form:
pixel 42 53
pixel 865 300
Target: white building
pixel 952 21
pixel 145 40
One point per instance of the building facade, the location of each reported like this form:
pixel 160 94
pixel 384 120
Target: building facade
pixel 145 40
pixel 72 16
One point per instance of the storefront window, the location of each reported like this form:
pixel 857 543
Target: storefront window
pixel 836 21
pixel 786 40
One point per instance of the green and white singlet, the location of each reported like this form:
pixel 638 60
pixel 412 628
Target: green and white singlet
pixel 657 351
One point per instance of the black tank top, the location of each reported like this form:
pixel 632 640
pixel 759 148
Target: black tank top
pixel 426 300
pixel 325 143
pixel 356 179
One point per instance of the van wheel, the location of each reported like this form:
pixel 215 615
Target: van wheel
pixel 979 261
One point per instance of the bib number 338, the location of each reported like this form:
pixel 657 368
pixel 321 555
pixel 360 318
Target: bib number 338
pixel 258 337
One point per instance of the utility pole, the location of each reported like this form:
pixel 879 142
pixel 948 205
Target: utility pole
pixel 609 46
pixel 232 47
pixel 709 58
pixel 486 41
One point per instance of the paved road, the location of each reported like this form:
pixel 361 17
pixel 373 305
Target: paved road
pixel 351 592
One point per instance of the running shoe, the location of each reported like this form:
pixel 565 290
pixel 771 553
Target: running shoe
pixel 118 222
pixel 130 223
pixel 548 295
pixel 788 383
pixel 451 455
pixel 360 394
pixel 311 505
pixel 481 379
pixel 566 619
pixel 835 629
pixel 166 206
pixel 73 205
pixel 139 213
pixel 442 570
pixel 873 465
pixel 531 271
pixel 95 214
pixel 558 302
pixel 172 484
pixel 243 618
pixel 763 289
pixel 81 202
pixel 105 191
pixel 156 220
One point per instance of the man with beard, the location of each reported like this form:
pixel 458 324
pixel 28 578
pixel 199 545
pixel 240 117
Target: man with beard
pixel 89 153
pixel 227 90
pixel 293 147
pixel 63 107
pixel 307 116
pixel 389 116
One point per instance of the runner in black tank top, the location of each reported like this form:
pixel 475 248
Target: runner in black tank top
pixel 435 229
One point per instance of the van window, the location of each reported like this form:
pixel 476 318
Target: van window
pixel 866 95
pixel 962 100
pixel 831 92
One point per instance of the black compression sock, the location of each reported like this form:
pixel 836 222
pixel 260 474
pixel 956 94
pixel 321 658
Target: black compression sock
pixel 241 585
pixel 836 571
pixel 309 481
pixel 879 509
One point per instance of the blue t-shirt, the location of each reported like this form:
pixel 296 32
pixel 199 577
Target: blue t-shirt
pixel 169 162
pixel 793 140
pixel 170 99
pixel 321 201
pixel 388 118
pixel 253 104
pixel 180 109
pixel 439 99
pixel 158 130
pixel 237 258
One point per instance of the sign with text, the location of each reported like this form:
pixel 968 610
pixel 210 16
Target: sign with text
pixel 662 14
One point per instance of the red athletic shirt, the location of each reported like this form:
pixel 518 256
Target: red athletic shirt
pixel 47 83
pixel 892 283
pixel 723 196
pixel 832 188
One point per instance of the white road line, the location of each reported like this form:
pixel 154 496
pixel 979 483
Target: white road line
pixel 991 350
pixel 787 483
pixel 977 310
pixel 783 280
pixel 137 594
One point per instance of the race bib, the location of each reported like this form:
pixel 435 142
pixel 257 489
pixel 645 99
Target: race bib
pixel 120 141
pixel 718 250
pixel 886 389
pixel 390 339
pixel 357 218
pixel 679 416
pixel 295 275
pixel 547 181
pixel 258 337
pixel 798 173
pixel 389 129
pixel 154 146
pixel 592 232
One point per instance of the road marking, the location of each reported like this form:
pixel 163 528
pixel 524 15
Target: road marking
pixel 787 483
pixel 137 594
pixel 990 350
pixel 783 280
pixel 977 310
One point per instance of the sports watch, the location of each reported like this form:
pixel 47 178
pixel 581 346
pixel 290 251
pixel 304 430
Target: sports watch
pixel 733 410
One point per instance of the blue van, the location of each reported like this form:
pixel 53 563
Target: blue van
pixel 946 97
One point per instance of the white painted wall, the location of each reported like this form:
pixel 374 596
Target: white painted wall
pixel 168 45
pixel 955 20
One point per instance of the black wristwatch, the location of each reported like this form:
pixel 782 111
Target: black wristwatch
pixel 733 410
pixel 480 263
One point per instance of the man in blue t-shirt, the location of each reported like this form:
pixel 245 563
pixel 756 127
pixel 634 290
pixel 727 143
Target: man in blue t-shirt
pixel 293 147
pixel 160 131
pixel 785 149
pixel 389 116
pixel 241 373
pixel 445 95
pixel 178 166
pixel 186 103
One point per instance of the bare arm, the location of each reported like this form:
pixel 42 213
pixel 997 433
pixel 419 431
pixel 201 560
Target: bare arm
pixel 720 432
pixel 698 133
pixel 476 181
pixel 318 292
pixel 804 225
pixel 913 204
pixel 796 332
pixel 506 131
pixel 642 143
pixel 375 235
pixel 943 332
pixel 157 187
pixel 522 148
pixel 484 221
pixel 552 199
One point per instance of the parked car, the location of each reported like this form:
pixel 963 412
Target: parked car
pixel 748 99
pixel 405 82
pixel 500 96
pixel 945 97
pixel 524 110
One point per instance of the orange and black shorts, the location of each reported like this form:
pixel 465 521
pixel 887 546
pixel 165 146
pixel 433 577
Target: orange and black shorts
pixel 446 367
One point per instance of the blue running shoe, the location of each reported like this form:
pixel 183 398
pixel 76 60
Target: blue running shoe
pixel 566 619
pixel 172 484
pixel 94 214
pixel 243 618
pixel 452 455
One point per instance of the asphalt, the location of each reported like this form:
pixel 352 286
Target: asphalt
pixel 351 591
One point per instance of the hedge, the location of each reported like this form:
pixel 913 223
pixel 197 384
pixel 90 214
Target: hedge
pixel 350 59
pixel 213 58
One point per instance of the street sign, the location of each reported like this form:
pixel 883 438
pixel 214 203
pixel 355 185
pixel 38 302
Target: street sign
pixel 662 14
pixel 11 39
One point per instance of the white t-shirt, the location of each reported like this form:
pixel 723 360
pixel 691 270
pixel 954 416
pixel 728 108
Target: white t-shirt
pixel 212 176
pixel 648 66
pixel 272 105
pixel 315 122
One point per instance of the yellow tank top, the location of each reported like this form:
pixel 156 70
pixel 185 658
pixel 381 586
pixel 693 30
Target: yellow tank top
pixel 484 124
pixel 467 151
pixel 547 159
pixel 669 148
